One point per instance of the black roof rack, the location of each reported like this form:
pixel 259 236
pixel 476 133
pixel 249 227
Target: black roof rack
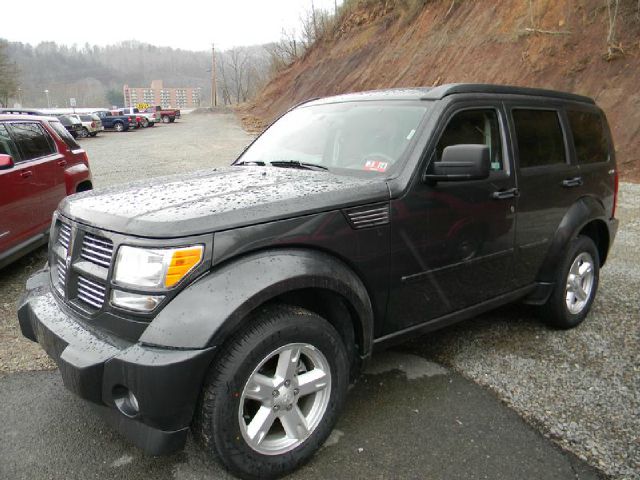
pixel 439 92
pixel 442 91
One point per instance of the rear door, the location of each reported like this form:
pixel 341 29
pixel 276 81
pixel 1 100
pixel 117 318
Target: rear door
pixel 17 204
pixel 548 183
pixel 45 167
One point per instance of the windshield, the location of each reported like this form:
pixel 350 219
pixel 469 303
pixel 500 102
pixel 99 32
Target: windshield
pixel 365 136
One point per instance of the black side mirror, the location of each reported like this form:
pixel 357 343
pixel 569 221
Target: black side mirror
pixel 461 162
pixel 6 162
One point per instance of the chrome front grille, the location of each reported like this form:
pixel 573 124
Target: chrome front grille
pixel 80 263
pixel 97 250
pixel 91 292
pixel 64 235
pixel 60 274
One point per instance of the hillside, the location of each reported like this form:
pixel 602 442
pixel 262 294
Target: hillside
pixel 558 44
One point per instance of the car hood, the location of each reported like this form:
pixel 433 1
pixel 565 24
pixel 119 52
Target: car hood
pixel 218 199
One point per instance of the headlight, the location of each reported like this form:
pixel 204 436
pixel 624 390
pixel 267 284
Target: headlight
pixel 155 268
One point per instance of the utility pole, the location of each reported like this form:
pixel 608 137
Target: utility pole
pixel 214 86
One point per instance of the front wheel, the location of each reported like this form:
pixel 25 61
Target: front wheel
pixel 145 122
pixel 575 286
pixel 84 133
pixel 165 119
pixel 119 127
pixel 274 394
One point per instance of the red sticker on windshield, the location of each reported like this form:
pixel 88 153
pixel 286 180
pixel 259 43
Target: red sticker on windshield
pixel 376 166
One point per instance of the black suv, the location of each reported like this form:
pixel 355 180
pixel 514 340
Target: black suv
pixel 242 301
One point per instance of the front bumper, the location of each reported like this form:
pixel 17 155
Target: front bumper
pixel 97 366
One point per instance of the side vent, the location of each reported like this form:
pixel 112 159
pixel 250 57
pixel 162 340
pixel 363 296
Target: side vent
pixel 368 216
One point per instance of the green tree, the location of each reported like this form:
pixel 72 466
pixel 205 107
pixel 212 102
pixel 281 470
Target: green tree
pixel 115 97
pixel 8 75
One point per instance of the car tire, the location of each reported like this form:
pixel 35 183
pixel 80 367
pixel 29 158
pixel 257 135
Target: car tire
pixel 145 122
pixel 294 424
pixel 84 133
pixel 575 286
pixel 93 134
pixel 165 119
pixel 118 127
pixel 171 120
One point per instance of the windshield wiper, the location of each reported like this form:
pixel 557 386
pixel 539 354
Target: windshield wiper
pixel 297 164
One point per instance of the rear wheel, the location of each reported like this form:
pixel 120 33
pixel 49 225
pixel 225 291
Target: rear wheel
pixel 172 119
pixel 165 119
pixel 575 286
pixel 274 394
pixel 118 126
pixel 84 133
pixel 145 122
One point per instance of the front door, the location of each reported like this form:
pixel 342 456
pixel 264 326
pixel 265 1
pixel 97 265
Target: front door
pixel 452 242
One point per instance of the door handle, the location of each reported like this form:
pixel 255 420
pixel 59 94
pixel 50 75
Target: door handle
pixel 505 194
pixel 572 182
pixel 26 174
pixel 61 163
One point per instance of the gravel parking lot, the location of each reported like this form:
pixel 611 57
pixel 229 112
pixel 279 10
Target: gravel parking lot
pixel 581 388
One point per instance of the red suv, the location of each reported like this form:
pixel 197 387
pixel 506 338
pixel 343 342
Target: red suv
pixel 40 163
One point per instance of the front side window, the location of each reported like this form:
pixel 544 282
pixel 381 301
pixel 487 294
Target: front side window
pixel 364 136
pixel 539 137
pixel 588 136
pixel 64 134
pixel 7 147
pixel 474 127
pixel 32 140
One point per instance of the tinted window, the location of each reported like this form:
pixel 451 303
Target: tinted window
pixel 64 134
pixel 86 118
pixel 31 139
pixel 539 136
pixel 474 127
pixel 7 147
pixel 589 137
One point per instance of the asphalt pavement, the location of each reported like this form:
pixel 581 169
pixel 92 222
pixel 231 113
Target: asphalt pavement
pixel 406 418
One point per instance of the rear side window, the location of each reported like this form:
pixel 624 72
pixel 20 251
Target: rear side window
pixel 32 140
pixel 539 136
pixel 64 134
pixel 7 147
pixel 589 137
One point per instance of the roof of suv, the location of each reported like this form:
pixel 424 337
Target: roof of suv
pixel 25 117
pixel 437 93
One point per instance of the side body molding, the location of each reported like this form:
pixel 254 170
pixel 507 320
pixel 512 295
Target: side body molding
pixel 206 312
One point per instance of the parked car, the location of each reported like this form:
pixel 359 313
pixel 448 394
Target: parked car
pixel 136 119
pixel 119 123
pixel 72 123
pixel 242 301
pixel 91 125
pixel 40 163
pixel 167 115
pixel 146 119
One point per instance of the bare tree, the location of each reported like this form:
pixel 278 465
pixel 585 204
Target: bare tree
pixel 8 76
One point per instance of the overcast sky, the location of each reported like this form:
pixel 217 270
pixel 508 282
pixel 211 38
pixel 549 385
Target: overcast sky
pixel 186 24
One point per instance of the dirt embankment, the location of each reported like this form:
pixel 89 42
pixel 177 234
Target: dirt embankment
pixel 558 44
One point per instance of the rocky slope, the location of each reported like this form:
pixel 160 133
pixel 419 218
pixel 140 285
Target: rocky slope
pixel 544 43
